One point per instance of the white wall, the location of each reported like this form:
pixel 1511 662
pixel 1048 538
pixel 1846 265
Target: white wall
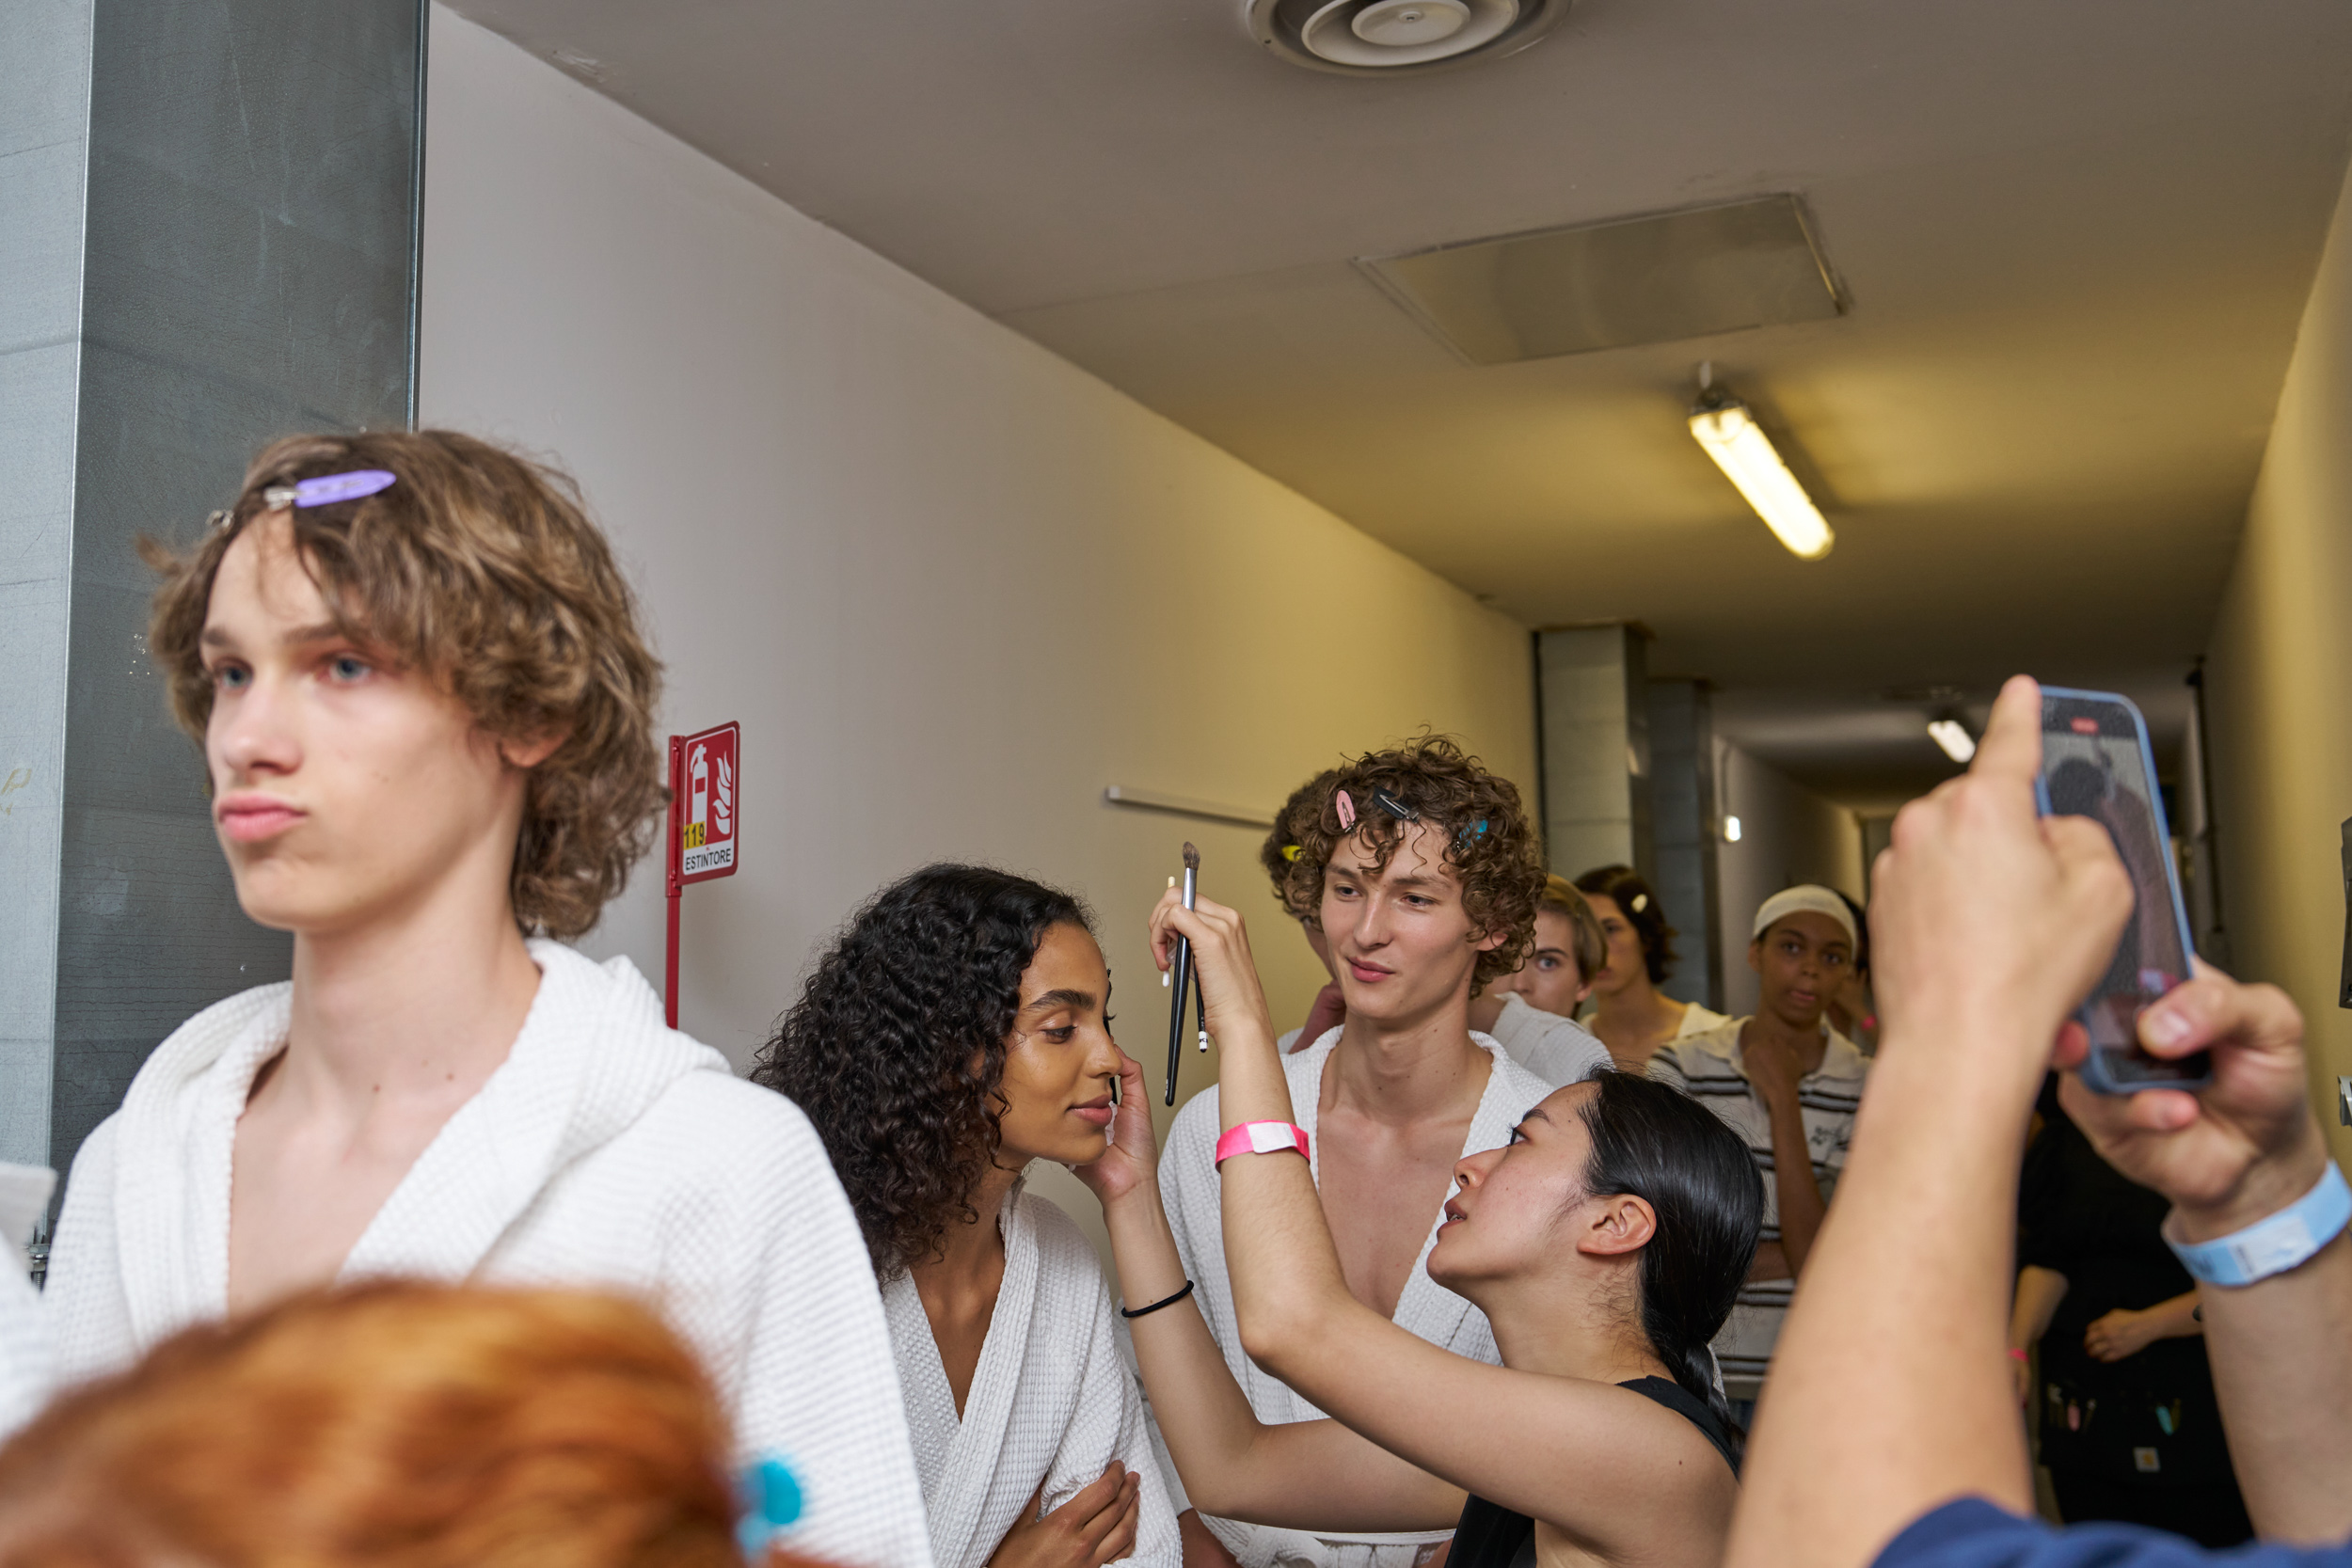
pixel 951 585
pixel 2279 688
pixel 1788 834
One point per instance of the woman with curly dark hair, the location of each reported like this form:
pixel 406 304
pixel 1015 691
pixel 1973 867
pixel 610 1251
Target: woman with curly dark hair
pixel 1633 1017
pixel 957 1029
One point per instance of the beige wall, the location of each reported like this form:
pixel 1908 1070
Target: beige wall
pixel 1788 834
pixel 2279 692
pixel 951 585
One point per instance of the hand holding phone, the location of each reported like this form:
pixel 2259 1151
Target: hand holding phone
pixel 2096 763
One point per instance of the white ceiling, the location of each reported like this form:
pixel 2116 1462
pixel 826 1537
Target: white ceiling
pixel 2076 239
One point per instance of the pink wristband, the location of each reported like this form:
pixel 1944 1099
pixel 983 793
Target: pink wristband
pixel 1261 1137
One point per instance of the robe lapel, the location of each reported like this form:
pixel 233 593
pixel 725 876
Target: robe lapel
pixel 593 1054
pixel 174 1143
pixel 960 1513
pixel 1425 1306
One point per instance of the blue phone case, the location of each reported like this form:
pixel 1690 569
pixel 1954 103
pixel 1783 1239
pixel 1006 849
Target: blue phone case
pixel 2097 1072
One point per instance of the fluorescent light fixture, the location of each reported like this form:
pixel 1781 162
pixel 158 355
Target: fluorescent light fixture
pixel 1953 737
pixel 1731 830
pixel 1740 449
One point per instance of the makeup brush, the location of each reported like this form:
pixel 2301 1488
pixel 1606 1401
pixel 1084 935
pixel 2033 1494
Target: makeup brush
pixel 1183 977
pixel 1199 997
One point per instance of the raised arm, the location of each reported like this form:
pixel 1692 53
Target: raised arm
pixel 1564 1449
pixel 1989 926
pixel 1303 1474
pixel 1800 1205
pixel 2228 1157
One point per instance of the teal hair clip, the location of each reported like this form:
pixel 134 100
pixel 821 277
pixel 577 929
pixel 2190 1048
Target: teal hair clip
pixel 767 1499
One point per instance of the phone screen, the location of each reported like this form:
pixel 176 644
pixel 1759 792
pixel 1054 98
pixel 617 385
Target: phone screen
pixel 2095 763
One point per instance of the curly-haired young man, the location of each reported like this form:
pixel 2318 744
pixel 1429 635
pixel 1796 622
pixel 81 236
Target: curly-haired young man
pixel 428 717
pixel 1418 869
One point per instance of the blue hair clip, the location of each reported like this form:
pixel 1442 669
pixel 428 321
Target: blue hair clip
pixel 329 488
pixel 1476 829
pixel 769 1497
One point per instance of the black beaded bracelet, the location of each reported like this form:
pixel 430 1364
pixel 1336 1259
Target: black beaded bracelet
pixel 1164 1300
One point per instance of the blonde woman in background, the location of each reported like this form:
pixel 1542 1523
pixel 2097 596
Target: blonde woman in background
pixel 1532 1011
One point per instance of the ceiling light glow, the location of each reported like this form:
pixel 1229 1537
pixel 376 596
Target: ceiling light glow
pixel 1731 830
pixel 1953 737
pixel 1745 454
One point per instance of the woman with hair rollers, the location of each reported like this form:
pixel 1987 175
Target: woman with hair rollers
pixel 956 1030
pixel 1605 1243
pixel 1633 1017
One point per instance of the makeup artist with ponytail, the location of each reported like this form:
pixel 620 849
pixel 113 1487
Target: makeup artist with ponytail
pixel 1605 1243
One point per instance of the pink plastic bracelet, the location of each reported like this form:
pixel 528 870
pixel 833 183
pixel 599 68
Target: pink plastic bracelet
pixel 1261 1137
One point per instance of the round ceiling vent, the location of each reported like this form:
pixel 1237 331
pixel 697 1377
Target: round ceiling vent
pixel 1390 37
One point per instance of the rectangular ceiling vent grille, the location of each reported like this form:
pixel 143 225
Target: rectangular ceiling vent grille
pixel 1657 279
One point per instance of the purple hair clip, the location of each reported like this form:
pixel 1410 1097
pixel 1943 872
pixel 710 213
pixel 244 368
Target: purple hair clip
pixel 328 488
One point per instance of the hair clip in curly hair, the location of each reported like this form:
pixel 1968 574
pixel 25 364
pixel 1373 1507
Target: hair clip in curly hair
pixel 1475 830
pixel 1290 851
pixel 1394 807
pixel 329 490
pixel 1344 804
pixel 1641 902
pixel 215 522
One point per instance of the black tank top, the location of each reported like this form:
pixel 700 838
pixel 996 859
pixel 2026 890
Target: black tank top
pixel 1489 1536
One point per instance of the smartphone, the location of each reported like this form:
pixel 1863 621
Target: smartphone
pixel 2096 763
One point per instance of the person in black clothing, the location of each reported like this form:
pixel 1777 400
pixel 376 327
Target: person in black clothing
pixel 1605 1244
pixel 2131 1428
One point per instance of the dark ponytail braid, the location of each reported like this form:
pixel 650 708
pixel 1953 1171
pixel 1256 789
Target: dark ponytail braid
pixel 1669 1150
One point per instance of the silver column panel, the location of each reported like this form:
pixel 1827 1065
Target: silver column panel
pixel 249 270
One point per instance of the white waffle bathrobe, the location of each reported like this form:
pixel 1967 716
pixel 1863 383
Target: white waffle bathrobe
pixel 1050 1401
pixel 1189 1184
pixel 606 1151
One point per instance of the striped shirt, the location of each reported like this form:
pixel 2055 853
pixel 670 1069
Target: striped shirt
pixel 1707 1068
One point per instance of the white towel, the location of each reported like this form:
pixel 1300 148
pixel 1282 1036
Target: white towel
pixel 1050 1401
pixel 606 1151
pixel 1189 1184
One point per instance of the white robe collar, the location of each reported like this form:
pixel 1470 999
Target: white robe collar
pixel 592 1055
pixel 1425 1306
pixel 957 1457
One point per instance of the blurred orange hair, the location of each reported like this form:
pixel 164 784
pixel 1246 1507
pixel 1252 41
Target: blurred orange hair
pixel 393 1426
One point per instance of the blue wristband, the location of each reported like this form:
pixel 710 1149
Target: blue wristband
pixel 2273 1245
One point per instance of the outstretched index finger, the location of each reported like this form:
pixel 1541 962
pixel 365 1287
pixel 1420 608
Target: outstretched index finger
pixel 2011 748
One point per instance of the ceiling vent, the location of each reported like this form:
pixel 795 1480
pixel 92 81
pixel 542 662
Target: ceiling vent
pixel 1654 279
pixel 1390 37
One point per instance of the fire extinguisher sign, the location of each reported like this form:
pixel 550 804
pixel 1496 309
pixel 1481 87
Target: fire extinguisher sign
pixel 708 780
